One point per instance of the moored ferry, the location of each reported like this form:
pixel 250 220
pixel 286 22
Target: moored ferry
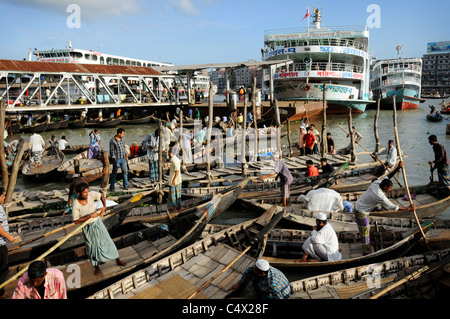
pixel 72 55
pixel 337 57
pixel 400 77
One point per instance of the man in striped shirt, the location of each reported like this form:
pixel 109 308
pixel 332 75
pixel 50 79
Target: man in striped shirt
pixel 41 283
pixel 269 282
pixel 119 158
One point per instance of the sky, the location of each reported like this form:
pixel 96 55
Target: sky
pixel 186 32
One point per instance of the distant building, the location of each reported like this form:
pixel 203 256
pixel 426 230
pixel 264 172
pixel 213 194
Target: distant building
pixel 436 69
pixel 240 77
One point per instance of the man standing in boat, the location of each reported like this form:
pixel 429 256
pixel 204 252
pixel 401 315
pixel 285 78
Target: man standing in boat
pixel 282 171
pixel 100 248
pixel 375 195
pixel 94 143
pixel 440 161
pixel 391 157
pixel 174 182
pixel 152 142
pixel 37 146
pixel 119 158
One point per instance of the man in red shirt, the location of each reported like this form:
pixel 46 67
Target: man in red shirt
pixel 311 170
pixel 308 141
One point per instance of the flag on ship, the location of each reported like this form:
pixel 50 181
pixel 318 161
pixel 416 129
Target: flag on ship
pixel 306 15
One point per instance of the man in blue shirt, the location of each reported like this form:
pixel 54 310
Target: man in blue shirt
pixel 94 143
pixel 269 282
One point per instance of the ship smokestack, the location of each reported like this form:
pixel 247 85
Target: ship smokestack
pixel 317 21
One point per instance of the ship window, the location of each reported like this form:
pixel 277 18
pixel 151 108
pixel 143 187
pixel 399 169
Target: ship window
pixel 127 62
pixel 102 60
pixel 122 62
pixel 94 57
pixel 87 56
pixel 139 64
pixel 76 55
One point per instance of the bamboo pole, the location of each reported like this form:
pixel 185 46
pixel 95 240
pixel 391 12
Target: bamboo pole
pixel 183 166
pixel 352 138
pixel 375 127
pixel 14 172
pixel 397 141
pixel 376 157
pixel 106 169
pixel 324 124
pixel 255 158
pixel 209 131
pixel 244 129
pixel 289 136
pixel 4 166
pixel 278 125
pixel 160 156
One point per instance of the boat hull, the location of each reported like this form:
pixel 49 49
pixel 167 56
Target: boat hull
pixel 404 99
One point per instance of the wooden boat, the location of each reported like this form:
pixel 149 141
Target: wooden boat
pixel 436 118
pixel 365 281
pixel 105 123
pixel 78 123
pixel 38 127
pixel 137 120
pixel 181 274
pixel 430 200
pixel 73 149
pixel 46 232
pixel 58 125
pixel 91 120
pixel 161 213
pixel 51 160
pixel 138 248
pixel 385 245
pixel 88 166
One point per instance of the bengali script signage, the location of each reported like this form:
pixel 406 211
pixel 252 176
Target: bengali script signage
pixel 328 74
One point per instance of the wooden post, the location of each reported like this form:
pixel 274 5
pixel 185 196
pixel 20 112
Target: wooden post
pixel 4 166
pixel 14 171
pixel 209 131
pixel 352 137
pixel 254 120
pixel 160 156
pixel 375 127
pixel 244 129
pixel 278 125
pixel 76 166
pixel 397 141
pixel 324 146
pixel 106 171
pixel 289 136
pixel 183 167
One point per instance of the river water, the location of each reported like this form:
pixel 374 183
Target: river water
pixel 413 130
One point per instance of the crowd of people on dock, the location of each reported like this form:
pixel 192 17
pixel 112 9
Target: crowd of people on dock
pixel 40 282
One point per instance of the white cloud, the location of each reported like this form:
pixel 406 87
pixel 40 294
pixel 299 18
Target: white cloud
pixel 192 7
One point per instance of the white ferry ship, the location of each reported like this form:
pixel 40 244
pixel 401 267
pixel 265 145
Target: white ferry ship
pixel 72 55
pixel 335 56
pixel 401 77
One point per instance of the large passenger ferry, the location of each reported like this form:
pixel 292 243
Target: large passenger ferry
pixel 335 56
pixel 400 77
pixel 72 55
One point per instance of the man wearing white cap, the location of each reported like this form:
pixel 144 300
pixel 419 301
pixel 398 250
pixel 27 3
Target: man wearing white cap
pixel 269 282
pixel 323 244
pixel 282 171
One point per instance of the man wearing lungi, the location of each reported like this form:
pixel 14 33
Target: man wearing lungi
pixel 174 182
pixel 100 248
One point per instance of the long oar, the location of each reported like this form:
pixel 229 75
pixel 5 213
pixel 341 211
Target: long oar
pixel 258 238
pixel 417 274
pixel 385 167
pixel 397 141
pixel 59 243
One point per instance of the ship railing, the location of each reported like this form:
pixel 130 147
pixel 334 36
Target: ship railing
pixel 313 30
pixel 386 70
pixel 323 66
pixel 277 44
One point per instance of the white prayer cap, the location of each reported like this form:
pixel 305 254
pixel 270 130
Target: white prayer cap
pixel 276 155
pixel 75 175
pixel 321 216
pixel 262 264
pixel 302 127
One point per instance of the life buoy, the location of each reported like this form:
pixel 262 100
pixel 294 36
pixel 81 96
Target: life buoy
pixel 305 87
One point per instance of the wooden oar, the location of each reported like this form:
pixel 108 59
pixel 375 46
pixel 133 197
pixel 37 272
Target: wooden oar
pixel 59 243
pixel 385 167
pixel 258 238
pixel 397 141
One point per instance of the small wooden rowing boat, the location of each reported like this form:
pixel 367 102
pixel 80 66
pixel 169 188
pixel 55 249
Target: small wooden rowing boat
pixel 434 118
pixel 138 248
pixel 430 200
pixel 137 120
pixel 183 274
pixel 105 123
pixel 51 160
pixel 385 245
pixel 48 231
pixel 79 123
pixel 364 282
pixel 73 149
